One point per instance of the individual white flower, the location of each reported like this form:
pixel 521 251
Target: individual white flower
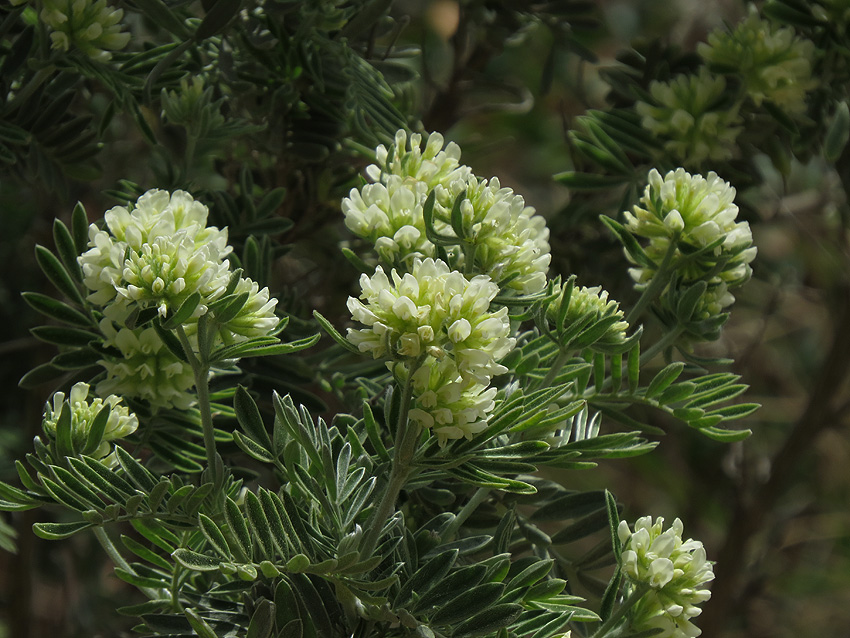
pixel 146 370
pixel 390 216
pixel 406 159
pixel 255 319
pixel 686 114
pixel 693 211
pixel 676 572
pixel 445 402
pixel 508 239
pixel 432 310
pixel 91 26
pixel 159 253
pixel 774 63
pixel 119 424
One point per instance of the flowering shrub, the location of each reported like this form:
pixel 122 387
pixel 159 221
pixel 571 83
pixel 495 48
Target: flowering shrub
pixel 386 471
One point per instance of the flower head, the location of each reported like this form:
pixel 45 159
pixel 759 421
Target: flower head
pixel 146 369
pixel 158 254
pixel 686 113
pixel 89 25
pixel 694 212
pixel 432 310
pixel 508 239
pixel 676 572
pixel 774 63
pixel 83 413
pixel 505 239
pixel 444 401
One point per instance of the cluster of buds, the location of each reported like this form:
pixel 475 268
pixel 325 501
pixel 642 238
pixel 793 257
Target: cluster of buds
pixel 675 572
pixel 589 306
pixel 158 255
pixel 91 26
pixel 689 115
pixel 496 231
pixel 774 63
pixel 104 420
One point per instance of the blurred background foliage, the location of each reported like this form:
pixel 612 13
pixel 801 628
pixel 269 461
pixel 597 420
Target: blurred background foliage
pixel 233 103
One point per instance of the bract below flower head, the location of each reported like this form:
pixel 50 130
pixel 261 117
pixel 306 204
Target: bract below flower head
pixel 685 113
pixel 775 64
pixel 159 253
pixel 432 310
pixel 695 211
pixel 119 424
pixel 675 570
pixel 508 239
pixel 452 407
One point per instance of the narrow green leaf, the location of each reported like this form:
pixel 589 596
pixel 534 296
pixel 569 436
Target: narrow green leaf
pixel 39 375
pixel 98 427
pixel 332 332
pixel 195 561
pixel 664 378
pixel 837 134
pixel 262 622
pixel 184 313
pixel 80 228
pixel 259 525
pixel 468 602
pixel 427 576
pixel 239 530
pixel 67 250
pixel 58 531
pixel 489 620
pixel 145 554
pixel 56 273
pixel 201 627
pixel 56 309
pixel 248 416
pixel 64 336
pixel 214 536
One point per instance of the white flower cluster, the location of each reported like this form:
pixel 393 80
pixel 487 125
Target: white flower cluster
pixel 447 403
pixel 442 319
pixel 774 63
pixel 119 424
pixel 694 212
pixel 92 26
pixel 505 238
pixel 686 114
pixel 675 570
pixel 157 255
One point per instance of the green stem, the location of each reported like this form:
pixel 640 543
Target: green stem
pixel 656 285
pixel 30 87
pixel 407 435
pixel 662 344
pixel 118 559
pixel 557 364
pixel 622 610
pixel 200 370
pixel 479 497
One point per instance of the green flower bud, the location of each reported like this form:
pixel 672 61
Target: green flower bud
pixel 88 25
pixel 119 424
pixel 687 113
pixel 774 63
pixel 593 301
